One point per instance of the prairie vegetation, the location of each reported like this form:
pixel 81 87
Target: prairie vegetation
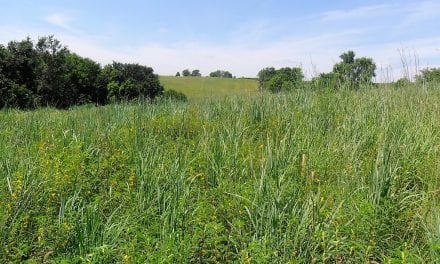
pixel 301 177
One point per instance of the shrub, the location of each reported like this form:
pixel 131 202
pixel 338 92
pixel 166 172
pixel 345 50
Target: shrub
pixel 15 95
pixel 130 81
pixel 431 75
pixel 402 82
pixel 284 79
pixel 186 73
pixel 221 74
pixel 325 81
pixel 174 95
pixel 196 73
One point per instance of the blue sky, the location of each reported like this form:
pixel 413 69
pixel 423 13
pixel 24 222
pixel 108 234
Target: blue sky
pixel 239 36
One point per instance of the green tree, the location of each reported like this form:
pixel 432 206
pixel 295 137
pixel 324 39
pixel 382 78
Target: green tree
pixel 284 79
pixel 353 72
pixel 178 74
pixel 186 73
pixel 18 73
pixel 264 76
pixel 130 81
pixel 15 95
pixel 431 75
pixel 82 74
pixel 221 74
pixel 48 74
pixel 196 73
pixel 53 86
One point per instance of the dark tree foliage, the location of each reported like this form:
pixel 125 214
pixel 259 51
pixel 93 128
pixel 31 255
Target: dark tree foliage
pixel 186 73
pixel 53 87
pixel 83 80
pixel 221 74
pixel 178 74
pixel 265 75
pixel 129 81
pixel 193 73
pixel 48 74
pixel 196 73
pixel 19 64
pixel 15 95
pixel 284 79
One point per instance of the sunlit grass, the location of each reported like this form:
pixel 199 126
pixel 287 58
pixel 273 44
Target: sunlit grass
pixel 305 177
pixel 196 88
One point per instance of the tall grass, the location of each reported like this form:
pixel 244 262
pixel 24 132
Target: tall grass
pixel 304 177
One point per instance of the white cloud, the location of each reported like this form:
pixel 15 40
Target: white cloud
pixel 356 13
pixel 59 20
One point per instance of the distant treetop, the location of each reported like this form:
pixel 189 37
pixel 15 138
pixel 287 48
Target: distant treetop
pixel 221 74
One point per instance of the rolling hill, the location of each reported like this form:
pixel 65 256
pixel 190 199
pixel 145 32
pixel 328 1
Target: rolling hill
pixel 206 87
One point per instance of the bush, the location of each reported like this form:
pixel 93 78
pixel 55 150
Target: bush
pixel 196 73
pixel 429 75
pixel 402 82
pixel 130 81
pixel 325 81
pixel 221 74
pixel 174 95
pixel 186 73
pixel 284 79
pixel 16 95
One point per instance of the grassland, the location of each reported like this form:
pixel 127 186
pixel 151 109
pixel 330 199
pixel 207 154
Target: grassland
pixel 305 177
pixel 196 88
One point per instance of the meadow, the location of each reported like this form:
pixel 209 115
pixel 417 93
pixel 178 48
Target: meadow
pixel 197 88
pixel 301 177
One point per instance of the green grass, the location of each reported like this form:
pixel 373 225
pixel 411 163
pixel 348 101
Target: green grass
pixel 206 87
pixel 305 177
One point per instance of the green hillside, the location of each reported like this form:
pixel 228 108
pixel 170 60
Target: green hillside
pixel 206 87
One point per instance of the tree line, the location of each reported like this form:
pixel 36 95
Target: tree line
pixel 47 73
pixel 187 73
pixel 350 73
pixel 197 73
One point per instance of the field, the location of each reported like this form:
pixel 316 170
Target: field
pixel 201 88
pixel 303 177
